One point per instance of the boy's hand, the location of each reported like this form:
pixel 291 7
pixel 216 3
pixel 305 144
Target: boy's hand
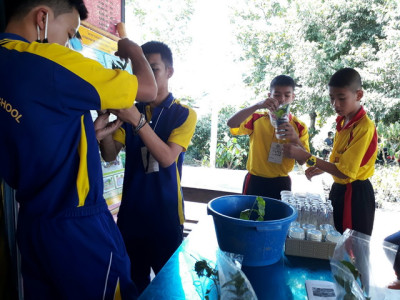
pixel 103 127
pixel 287 131
pixel 270 103
pixel 128 49
pixel 296 152
pixel 129 115
pixel 313 171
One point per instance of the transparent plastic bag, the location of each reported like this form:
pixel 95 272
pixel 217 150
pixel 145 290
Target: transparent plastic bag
pixel 222 280
pixel 234 284
pixel 204 275
pixel 278 117
pixel 363 267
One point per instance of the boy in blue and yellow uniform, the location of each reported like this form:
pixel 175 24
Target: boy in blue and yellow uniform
pixel 268 170
pixel 353 156
pixel 70 245
pixel 151 214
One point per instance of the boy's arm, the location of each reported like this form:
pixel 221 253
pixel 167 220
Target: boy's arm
pixel 109 148
pixel 298 153
pixel 300 139
pixel 291 134
pixel 164 153
pixel 235 121
pixel 147 87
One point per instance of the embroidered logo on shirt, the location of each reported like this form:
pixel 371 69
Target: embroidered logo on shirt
pixel 9 108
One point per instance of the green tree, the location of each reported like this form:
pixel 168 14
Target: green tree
pixel 310 40
pixel 198 152
pixel 231 151
pixel 389 139
pixel 165 21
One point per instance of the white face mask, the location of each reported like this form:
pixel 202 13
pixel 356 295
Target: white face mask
pixel 45 31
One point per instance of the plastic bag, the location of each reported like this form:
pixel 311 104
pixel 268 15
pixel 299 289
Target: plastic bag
pixel 363 267
pixel 221 280
pixel 204 275
pixel 280 116
pixel 233 282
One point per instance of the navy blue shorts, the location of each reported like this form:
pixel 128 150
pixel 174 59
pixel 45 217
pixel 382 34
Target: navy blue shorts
pixel 395 239
pixel 80 255
pixel 266 187
pixel 149 249
pixel 353 206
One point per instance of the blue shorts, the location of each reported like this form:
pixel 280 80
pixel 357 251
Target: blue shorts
pixel 266 187
pixel 395 239
pixel 80 255
pixel 362 204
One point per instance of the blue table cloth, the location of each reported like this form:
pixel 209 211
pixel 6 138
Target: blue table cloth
pixel 283 280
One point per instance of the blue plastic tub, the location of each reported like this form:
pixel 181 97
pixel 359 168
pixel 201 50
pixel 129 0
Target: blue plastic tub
pixel 260 242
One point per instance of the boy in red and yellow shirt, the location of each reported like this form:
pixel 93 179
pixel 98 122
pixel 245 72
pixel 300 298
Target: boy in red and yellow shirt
pixel 268 170
pixel 353 156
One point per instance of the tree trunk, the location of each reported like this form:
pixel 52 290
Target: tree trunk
pixel 214 133
pixel 313 118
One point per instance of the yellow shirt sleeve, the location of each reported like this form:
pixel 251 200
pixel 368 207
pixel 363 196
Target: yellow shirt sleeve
pixel 350 160
pixel 247 126
pixel 119 135
pixel 183 134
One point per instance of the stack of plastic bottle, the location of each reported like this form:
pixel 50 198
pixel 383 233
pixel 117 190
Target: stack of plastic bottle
pixel 315 217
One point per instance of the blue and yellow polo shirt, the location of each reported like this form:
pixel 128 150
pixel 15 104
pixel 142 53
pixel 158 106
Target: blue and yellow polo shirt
pixel 355 148
pixel 153 201
pixel 262 135
pixel 48 150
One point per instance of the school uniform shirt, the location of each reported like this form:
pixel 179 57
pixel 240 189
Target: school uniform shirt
pixel 152 197
pixel 355 148
pixel 49 152
pixel 262 134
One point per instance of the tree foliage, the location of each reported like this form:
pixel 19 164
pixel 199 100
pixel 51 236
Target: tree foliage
pixel 162 20
pixel 309 40
pixel 231 151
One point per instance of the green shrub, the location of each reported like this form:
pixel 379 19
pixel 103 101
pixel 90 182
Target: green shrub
pixel 386 183
pixel 231 151
pixel 389 139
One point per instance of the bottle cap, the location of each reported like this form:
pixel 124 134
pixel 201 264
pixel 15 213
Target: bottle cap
pixel 295 224
pixel 333 236
pixel 296 233
pixel 314 235
pixel 307 227
pixel 325 228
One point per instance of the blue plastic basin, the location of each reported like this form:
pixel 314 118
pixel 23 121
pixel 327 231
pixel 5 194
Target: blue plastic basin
pixel 260 242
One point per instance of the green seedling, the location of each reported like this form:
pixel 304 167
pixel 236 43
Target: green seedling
pixel 284 109
pixel 260 211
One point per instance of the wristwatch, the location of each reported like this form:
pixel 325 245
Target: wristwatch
pixel 311 161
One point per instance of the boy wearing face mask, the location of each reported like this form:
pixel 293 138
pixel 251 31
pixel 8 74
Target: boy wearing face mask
pixel 69 243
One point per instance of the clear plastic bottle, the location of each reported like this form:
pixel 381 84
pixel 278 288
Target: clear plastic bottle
pixel 299 212
pixel 329 215
pixel 314 216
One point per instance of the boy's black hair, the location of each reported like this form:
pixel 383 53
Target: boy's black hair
pixel 161 48
pixel 346 78
pixel 19 8
pixel 282 80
